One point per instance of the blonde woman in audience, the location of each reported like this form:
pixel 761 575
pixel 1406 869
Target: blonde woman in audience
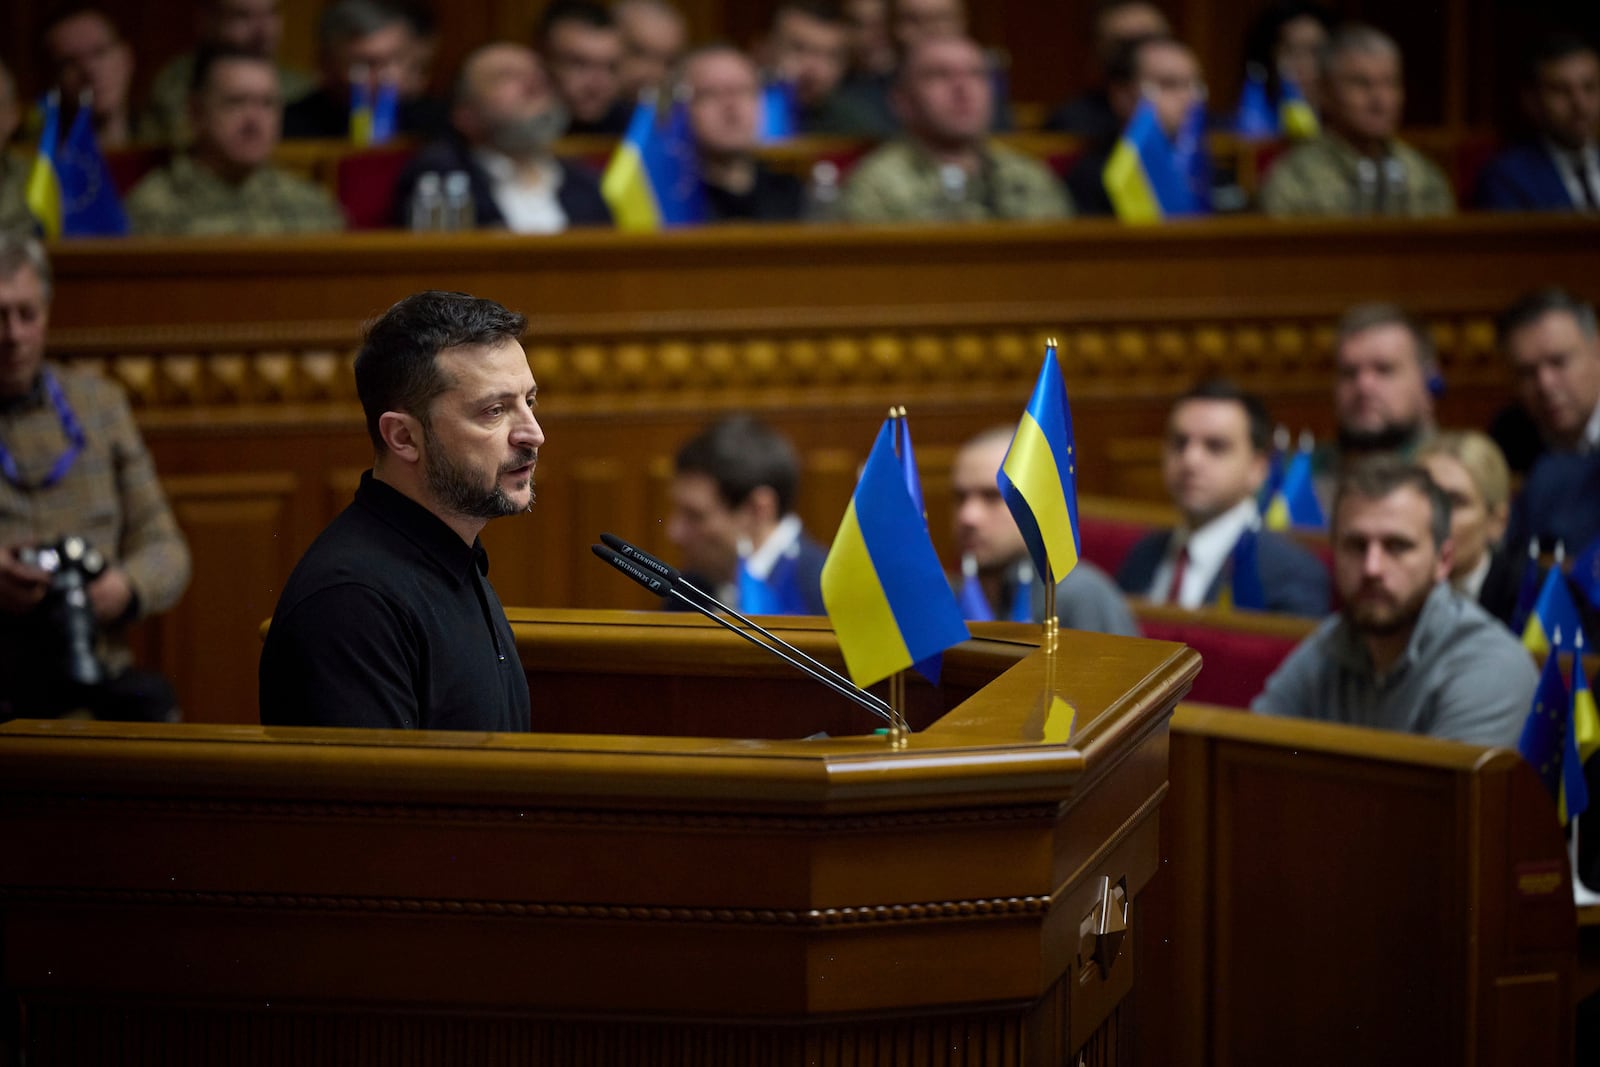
pixel 1471 470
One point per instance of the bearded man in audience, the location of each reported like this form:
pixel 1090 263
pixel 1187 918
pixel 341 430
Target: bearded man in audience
pixel 809 47
pixel 1358 166
pixel 582 48
pixel 1559 170
pixel 505 119
pixel 226 183
pixel 1407 652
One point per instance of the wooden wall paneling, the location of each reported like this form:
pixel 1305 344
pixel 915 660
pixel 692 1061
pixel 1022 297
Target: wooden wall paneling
pixel 605 496
pixel 233 524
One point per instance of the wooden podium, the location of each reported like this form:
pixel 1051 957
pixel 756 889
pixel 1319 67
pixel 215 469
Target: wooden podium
pixel 676 871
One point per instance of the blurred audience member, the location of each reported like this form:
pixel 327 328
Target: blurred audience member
pixel 14 214
pixel 242 25
pixel 1559 169
pixel 871 47
pixel 1160 69
pixel 998 579
pixel 505 119
pixel 733 520
pixel 1470 470
pixel 1285 41
pixel 724 111
pixel 1551 340
pixel 226 184
pixel 88 53
pixel 1117 23
pixel 654 36
pixel 583 51
pixel 1218 442
pixel 944 166
pixel 375 41
pixel 1358 166
pixel 808 46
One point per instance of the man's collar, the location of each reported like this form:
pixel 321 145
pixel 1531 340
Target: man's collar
pixel 784 536
pixel 422 528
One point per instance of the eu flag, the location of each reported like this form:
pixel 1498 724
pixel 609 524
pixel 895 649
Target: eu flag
pixel 1039 480
pixel 1544 733
pixel 1255 117
pixel 882 584
pixel 653 178
pixel 1584 739
pixel 779 112
pixel 1244 586
pixel 1144 177
pixel 89 203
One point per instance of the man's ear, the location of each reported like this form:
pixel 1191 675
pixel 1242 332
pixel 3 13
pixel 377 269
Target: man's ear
pixel 1447 560
pixel 402 435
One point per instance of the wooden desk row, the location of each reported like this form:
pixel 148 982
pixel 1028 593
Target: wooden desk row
pixel 237 355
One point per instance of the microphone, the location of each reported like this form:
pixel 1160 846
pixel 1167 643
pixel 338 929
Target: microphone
pixel 651 576
pixel 672 574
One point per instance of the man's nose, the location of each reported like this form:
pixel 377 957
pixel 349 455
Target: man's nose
pixel 1372 562
pixel 529 432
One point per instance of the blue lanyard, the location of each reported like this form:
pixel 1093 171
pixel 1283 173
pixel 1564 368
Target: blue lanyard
pixel 71 429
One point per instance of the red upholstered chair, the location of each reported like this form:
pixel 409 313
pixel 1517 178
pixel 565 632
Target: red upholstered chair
pixel 1109 528
pixel 1239 649
pixel 128 166
pixel 364 184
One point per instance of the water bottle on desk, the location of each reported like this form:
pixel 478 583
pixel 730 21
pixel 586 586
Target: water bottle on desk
pixel 425 212
pixel 459 212
pixel 953 187
pixel 822 195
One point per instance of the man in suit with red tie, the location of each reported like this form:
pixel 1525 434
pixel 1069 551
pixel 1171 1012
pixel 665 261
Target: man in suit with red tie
pixel 1559 168
pixel 1214 464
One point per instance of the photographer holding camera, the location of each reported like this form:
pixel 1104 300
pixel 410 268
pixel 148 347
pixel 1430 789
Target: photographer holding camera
pixel 87 541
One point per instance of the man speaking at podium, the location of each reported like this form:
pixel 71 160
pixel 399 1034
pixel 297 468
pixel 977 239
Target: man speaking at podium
pixel 389 619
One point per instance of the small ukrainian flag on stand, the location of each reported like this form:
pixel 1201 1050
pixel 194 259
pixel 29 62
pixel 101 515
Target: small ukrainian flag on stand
pixel 44 184
pixel 653 178
pixel 1143 177
pixel 1295 116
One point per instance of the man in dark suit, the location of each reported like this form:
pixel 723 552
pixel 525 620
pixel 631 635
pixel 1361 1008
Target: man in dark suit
pixel 505 118
pixel 733 521
pixel 378 42
pixel 1551 339
pixel 1559 169
pixel 1214 464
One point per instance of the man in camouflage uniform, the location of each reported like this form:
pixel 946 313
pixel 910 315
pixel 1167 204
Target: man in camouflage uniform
pixel 944 166
pixel 14 214
pixel 247 25
pixel 225 184
pixel 1358 166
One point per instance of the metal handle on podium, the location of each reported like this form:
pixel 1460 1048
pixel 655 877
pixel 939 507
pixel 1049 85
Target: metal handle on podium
pixel 1103 930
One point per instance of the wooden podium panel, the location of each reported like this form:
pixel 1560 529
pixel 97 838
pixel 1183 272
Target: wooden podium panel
pixel 201 894
pixel 1340 895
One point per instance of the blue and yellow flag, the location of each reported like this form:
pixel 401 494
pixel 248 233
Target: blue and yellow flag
pixel 1586 572
pixel 653 178
pixel 1143 177
pixel 374 110
pixel 1244 588
pixel 1545 732
pixel 44 184
pixel 1296 504
pixel 1295 115
pixel 882 584
pixel 90 206
pixel 1039 479
pixel 1527 589
pixel 1554 615
pixel 1585 739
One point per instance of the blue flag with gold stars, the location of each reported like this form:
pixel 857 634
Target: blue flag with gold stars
pixel 1544 738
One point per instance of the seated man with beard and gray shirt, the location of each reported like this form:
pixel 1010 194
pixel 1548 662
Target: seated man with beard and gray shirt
pixel 504 119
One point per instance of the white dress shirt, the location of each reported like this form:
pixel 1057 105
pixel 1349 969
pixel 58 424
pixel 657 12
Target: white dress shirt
pixel 1580 173
pixel 1209 548
pixel 528 206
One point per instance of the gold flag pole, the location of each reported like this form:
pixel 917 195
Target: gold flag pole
pixel 899 729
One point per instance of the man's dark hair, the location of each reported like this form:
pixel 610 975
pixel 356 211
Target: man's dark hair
pixel 208 56
pixel 1549 48
pixel 1123 69
pixel 347 20
pixel 1257 418
pixel 741 454
pixel 821 10
pixel 71 9
pixel 1531 307
pixel 1376 477
pixel 586 12
pixel 1364 317
pixel 397 368
pixel 1261 38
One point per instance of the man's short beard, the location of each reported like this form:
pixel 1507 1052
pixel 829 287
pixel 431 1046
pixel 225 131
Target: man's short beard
pixel 458 490
pixel 531 137
pixel 1391 437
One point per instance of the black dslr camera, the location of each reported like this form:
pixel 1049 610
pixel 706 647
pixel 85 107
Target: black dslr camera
pixel 66 617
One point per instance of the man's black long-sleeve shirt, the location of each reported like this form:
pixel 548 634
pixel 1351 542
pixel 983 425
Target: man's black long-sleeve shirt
pixel 389 621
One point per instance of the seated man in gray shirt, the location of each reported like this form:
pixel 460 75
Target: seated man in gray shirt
pixel 1406 652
